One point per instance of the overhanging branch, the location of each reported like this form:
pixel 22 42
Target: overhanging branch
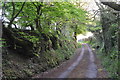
pixel 112 5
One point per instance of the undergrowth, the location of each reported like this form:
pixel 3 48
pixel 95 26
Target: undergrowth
pixel 22 68
pixel 109 60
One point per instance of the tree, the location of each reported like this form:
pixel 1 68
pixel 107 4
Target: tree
pixel 14 13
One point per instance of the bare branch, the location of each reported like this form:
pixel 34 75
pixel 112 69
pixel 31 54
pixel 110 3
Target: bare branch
pixel 13 9
pixel 11 21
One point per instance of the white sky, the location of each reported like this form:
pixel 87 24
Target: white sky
pixel 90 5
pixel 81 36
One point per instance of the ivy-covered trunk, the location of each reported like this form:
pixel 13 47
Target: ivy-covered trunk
pixel 106 27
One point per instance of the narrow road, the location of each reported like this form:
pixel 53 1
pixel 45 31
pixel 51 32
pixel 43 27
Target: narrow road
pixel 84 64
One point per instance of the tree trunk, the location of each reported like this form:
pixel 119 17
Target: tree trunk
pixel 75 35
pixel 119 44
pixel 37 20
pixel 0 49
pixel 32 28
